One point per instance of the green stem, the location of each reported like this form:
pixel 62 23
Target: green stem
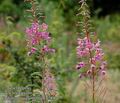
pixel 43 87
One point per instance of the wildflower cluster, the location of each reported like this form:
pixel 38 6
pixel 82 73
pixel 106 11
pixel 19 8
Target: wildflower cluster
pixel 88 50
pixel 94 54
pixel 38 39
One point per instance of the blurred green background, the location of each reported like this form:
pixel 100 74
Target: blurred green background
pixel 16 66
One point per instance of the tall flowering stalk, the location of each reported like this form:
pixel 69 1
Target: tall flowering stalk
pixel 38 43
pixel 91 63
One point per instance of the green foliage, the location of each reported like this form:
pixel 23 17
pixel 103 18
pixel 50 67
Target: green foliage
pixel 6 75
pixel 108 30
pixel 8 8
pixel 114 60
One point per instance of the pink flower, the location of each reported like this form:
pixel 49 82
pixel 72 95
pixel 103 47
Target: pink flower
pixel 93 66
pixel 82 52
pixel 103 72
pixel 97 45
pixel 46 49
pixel 33 50
pixel 89 44
pixel 34 41
pixel 29 32
pixel 89 72
pixel 44 27
pixel 45 36
pixel 37 35
pixel 103 65
pixel 99 56
pixel 80 42
pixel 93 60
pixel 35 27
pixel 98 50
pixel 84 46
pixel 80 65
pixel 52 50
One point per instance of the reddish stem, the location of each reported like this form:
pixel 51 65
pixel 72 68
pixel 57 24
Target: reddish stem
pixel 93 69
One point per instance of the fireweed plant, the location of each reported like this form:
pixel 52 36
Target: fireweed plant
pixel 92 63
pixel 38 43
